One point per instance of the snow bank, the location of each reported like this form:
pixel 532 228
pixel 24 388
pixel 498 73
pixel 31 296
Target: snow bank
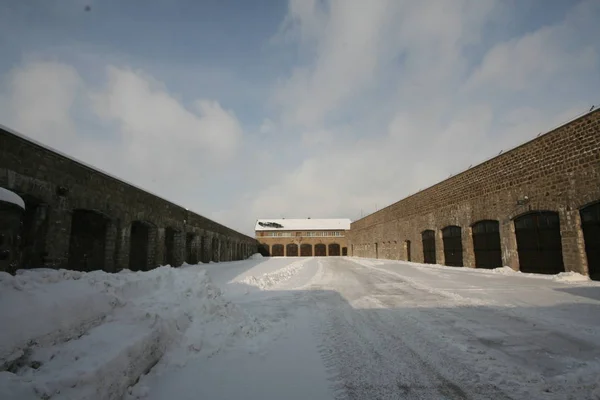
pixel 570 277
pixel 270 279
pixel 255 256
pixel 92 335
pixel 11 197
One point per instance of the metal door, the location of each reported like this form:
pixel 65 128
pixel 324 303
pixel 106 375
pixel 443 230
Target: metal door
pixel 590 223
pixel 538 243
pixel 428 237
pixel 306 250
pixel 291 250
pixel 277 250
pixel 320 250
pixel 453 252
pixel 486 243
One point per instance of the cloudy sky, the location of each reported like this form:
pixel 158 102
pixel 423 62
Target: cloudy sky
pixel 250 109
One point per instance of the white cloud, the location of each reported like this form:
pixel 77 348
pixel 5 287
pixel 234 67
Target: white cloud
pixel 135 128
pixel 39 98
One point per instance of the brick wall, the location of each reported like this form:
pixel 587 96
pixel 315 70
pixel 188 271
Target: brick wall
pixel 559 171
pixel 63 185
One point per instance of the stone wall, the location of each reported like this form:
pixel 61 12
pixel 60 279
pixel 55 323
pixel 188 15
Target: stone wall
pixel 54 186
pixel 558 171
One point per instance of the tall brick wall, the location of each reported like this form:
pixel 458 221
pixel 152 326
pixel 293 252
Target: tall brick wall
pixel 559 171
pixel 62 185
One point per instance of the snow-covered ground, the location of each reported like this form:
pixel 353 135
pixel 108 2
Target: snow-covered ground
pixel 299 328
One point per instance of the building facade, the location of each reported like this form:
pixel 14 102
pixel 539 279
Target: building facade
pixel 535 208
pixel 302 237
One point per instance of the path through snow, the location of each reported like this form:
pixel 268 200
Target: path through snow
pixel 298 328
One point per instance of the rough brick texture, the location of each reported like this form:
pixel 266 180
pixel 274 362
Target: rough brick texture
pixel 559 171
pixel 62 185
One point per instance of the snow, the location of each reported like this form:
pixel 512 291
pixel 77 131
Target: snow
pixel 297 328
pixel 11 197
pixel 304 224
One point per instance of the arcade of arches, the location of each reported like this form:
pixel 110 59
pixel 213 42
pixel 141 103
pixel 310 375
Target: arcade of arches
pixel 303 250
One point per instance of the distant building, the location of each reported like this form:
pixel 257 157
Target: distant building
pixel 302 237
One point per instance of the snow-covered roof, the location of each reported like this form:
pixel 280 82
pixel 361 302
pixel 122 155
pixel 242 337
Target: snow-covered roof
pixel 302 224
pixel 11 197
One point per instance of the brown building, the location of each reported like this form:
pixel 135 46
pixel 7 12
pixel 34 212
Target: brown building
pixel 302 237
pixel 535 208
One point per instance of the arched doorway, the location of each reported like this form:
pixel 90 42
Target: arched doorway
pixel 407 249
pixel 263 249
pixel 486 244
pixel 191 255
pixel 453 252
pixel 139 246
pixel 215 249
pixel 87 244
pixel 277 250
pixel 428 238
pixel 34 232
pixel 334 249
pixel 320 250
pixel 291 250
pixel 344 251
pixel 590 224
pixel 306 250
pixel 539 243
pixel 170 256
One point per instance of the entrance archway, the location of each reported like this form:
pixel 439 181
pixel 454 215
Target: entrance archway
pixel 87 244
pixel 320 250
pixel 344 251
pixel 139 247
pixel 590 223
pixel 453 252
pixel 306 250
pixel 334 249
pixel 428 238
pixel 486 244
pixel 277 250
pixel 539 243
pixel 291 250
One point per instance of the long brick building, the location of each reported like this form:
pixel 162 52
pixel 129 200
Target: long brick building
pixel 535 208
pixel 302 237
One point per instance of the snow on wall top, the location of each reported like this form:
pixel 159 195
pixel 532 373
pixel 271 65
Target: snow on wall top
pixel 302 224
pixel 11 197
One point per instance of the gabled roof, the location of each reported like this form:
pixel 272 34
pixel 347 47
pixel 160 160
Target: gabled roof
pixel 302 224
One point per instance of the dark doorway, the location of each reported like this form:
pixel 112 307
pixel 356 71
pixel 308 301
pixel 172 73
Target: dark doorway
pixel 202 250
pixel 291 250
pixel 263 249
pixel 539 243
pixel 190 253
pixel 11 218
pixel 486 244
pixel 170 247
pixel 306 250
pixel 320 250
pixel 453 252
pixel 590 223
pixel 34 231
pixel 344 251
pixel 428 237
pixel 215 249
pixel 139 246
pixel 87 244
pixel 408 255
pixel 277 250
pixel 376 250
pixel 334 249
